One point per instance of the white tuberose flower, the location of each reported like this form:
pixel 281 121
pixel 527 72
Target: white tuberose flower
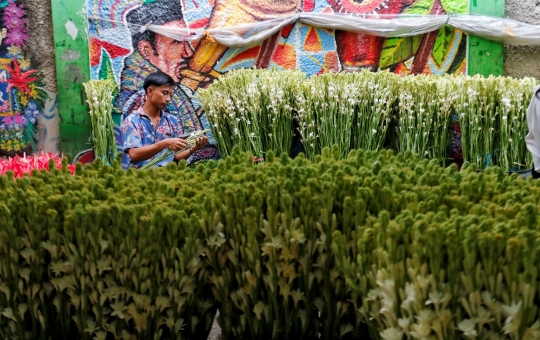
pixel 468 327
pixel 392 334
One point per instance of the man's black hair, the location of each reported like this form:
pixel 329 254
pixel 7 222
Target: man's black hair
pixel 158 12
pixel 157 79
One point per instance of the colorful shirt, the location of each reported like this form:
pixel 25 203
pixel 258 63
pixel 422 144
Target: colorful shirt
pixel 138 131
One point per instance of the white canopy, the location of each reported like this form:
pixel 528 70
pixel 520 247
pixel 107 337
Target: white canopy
pixel 504 30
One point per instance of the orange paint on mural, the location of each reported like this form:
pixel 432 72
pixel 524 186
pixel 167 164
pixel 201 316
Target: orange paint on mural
pixel 331 62
pixel 427 69
pixel 285 56
pixel 313 41
pixel 95 53
pixel 462 68
pixel 402 70
pixel 247 54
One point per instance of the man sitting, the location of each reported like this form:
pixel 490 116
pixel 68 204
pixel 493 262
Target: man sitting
pixel 150 131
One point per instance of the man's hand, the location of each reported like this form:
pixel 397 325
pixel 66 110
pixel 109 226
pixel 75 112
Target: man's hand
pixel 175 144
pixel 200 143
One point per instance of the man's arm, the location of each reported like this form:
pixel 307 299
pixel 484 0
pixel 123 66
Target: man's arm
pixel 143 153
pixel 183 155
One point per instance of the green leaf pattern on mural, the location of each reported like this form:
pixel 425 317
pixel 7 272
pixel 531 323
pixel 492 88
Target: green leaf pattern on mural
pixel 442 44
pixel 106 70
pixel 455 6
pixel 399 49
pixel 420 7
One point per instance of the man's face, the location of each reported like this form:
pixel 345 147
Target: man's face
pixel 168 54
pixel 159 96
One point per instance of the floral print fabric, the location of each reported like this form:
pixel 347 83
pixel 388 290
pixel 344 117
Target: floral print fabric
pixel 138 131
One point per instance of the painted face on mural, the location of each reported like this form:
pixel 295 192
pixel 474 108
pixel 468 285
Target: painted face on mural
pixel 159 96
pixel 369 6
pixel 168 55
pixel 266 9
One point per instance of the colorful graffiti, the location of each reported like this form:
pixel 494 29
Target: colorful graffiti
pixel 119 50
pixel 22 95
pixel 437 52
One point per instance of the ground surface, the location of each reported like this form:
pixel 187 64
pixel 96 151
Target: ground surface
pixel 215 334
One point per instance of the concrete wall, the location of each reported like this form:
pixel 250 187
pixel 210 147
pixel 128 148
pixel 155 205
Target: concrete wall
pixel 523 61
pixel 40 48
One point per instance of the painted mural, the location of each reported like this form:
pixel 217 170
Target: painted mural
pixel 22 95
pixel 121 52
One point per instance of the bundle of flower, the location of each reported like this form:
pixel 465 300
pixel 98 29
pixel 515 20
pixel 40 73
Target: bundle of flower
pixel 376 97
pixel 453 255
pixel 268 232
pixel 424 115
pixel 350 110
pixel 100 96
pixel 290 249
pixel 92 257
pixel 231 104
pixel 355 110
pixel 24 165
pixel 477 108
pixel 253 110
pixel 514 96
pixel 329 110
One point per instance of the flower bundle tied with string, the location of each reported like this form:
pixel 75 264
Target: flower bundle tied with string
pixel 100 96
pixel 191 141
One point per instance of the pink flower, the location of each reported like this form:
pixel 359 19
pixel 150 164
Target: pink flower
pixel 12 10
pixel 16 24
pixel 8 120
pixel 21 165
pixel 19 120
pixel 17 37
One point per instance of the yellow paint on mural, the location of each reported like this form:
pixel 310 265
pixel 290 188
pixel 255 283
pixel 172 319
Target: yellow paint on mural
pixel 231 13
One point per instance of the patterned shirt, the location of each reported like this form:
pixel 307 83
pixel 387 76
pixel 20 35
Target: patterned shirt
pixel 138 131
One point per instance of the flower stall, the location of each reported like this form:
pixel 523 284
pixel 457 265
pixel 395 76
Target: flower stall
pixel 375 111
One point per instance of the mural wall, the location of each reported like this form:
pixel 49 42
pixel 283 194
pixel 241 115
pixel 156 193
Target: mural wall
pixel 120 51
pixel 22 94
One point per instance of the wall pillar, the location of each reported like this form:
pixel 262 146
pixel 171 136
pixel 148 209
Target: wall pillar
pixel 486 56
pixel 70 25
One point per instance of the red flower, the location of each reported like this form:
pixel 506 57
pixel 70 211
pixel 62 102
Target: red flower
pixel 20 79
pixel 21 165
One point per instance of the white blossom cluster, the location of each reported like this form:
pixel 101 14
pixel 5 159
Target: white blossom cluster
pixel 253 109
pixel 492 115
pixel 257 109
